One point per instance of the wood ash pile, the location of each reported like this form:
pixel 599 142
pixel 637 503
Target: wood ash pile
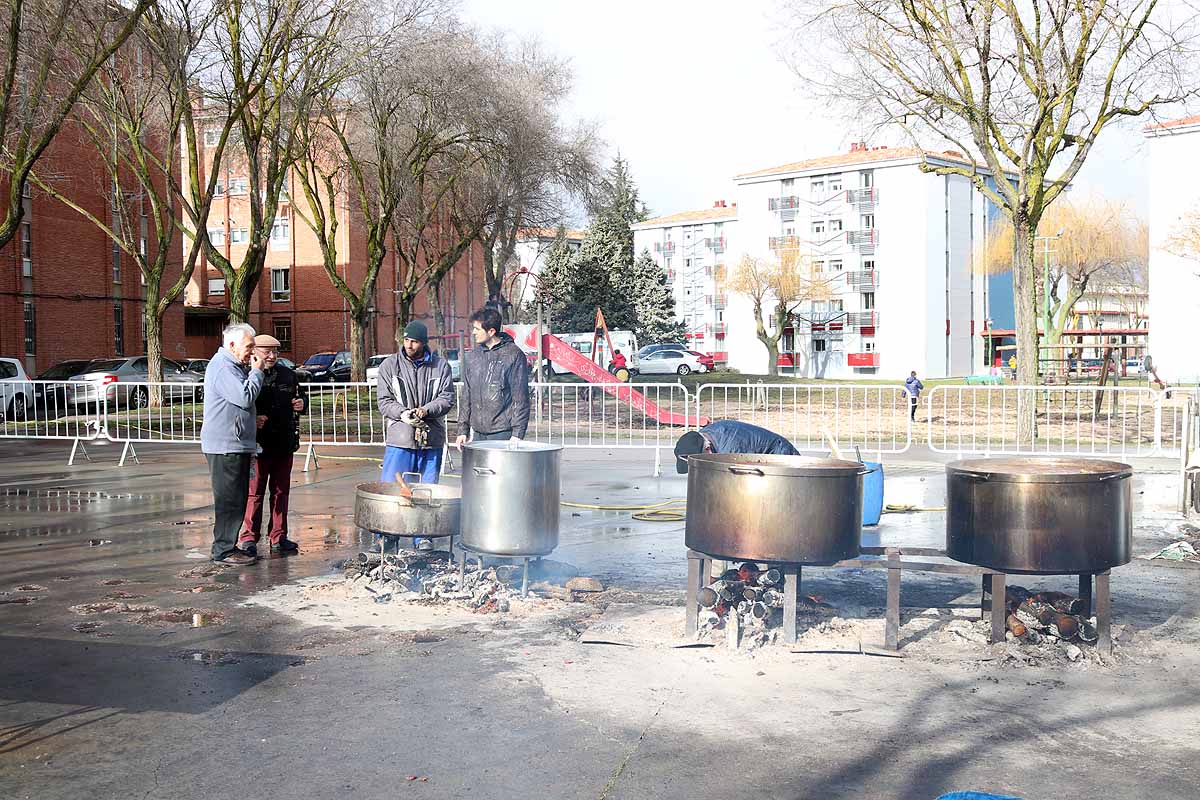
pixel 432 576
pixel 1048 626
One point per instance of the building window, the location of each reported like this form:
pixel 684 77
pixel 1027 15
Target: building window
pixel 866 179
pixel 835 265
pixel 281 329
pixel 817 187
pixel 868 345
pixel 868 222
pixel 667 262
pixel 238 186
pixel 868 301
pixel 836 305
pixel 219 190
pixel 116 250
pixel 216 287
pixel 30 330
pixel 835 225
pixel 818 345
pixel 211 137
pixel 217 236
pixel 868 264
pixel 818 266
pixel 239 235
pixel 818 227
pixel 27 249
pixel 118 329
pixel 281 285
pixel 835 184
pixel 280 233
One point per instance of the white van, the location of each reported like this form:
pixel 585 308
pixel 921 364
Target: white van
pixel 624 341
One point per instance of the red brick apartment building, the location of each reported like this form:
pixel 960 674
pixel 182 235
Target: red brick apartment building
pixel 295 300
pixel 66 291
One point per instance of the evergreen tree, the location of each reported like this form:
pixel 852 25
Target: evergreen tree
pixel 653 302
pixel 557 279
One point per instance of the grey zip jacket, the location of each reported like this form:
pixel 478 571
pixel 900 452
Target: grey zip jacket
pixel 229 395
pixel 495 389
pixel 404 384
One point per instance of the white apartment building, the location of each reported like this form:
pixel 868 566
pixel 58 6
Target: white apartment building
pixel 693 247
pixel 899 247
pixel 1174 304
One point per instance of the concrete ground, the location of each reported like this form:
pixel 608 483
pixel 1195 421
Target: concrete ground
pixel 138 703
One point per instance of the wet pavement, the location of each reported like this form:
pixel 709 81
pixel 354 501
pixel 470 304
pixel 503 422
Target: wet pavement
pixel 130 668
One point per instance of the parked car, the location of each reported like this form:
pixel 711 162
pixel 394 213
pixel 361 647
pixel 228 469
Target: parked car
pixel 452 358
pixel 654 348
pixel 303 375
pixel 706 359
pixel 667 362
pixel 198 365
pixel 373 367
pixel 53 396
pixel 16 392
pixel 329 367
pixel 106 376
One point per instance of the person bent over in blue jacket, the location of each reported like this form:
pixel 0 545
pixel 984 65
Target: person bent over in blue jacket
pixel 730 436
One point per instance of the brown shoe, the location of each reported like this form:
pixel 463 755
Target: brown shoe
pixel 237 558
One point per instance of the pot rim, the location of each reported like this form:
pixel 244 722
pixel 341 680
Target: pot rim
pixel 1039 469
pixel 779 466
pixel 522 446
pixel 382 491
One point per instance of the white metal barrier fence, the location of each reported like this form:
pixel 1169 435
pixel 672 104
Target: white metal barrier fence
pixel 873 418
pixel 1055 420
pixel 52 410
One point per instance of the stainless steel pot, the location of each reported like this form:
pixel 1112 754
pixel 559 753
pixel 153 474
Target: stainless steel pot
pixel 793 509
pixel 510 498
pixel 433 510
pixel 1054 516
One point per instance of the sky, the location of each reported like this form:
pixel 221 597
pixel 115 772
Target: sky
pixel 692 93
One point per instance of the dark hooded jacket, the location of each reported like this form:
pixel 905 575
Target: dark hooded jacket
pixel 730 436
pixel 495 393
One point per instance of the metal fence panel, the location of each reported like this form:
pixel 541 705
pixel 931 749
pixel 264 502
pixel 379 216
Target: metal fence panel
pixel 342 414
pixel 1060 420
pixel 874 418
pixel 49 410
pixel 646 415
pixel 130 417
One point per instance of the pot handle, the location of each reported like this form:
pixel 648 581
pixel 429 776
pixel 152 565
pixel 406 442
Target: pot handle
pixel 1116 475
pixel 426 491
pixel 746 471
pixel 483 470
pixel 981 477
pixel 864 472
pixel 416 475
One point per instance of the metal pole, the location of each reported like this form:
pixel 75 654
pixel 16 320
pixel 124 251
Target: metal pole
pixel 538 362
pixel 1184 446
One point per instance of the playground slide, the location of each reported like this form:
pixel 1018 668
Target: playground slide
pixel 571 359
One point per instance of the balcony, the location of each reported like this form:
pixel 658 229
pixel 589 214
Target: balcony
pixel 862 359
pixel 720 300
pixel 859 320
pixel 783 203
pixel 864 280
pixel 717 245
pixel 783 242
pixel 864 241
pixel 862 197
pixel 666 248
pixel 719 329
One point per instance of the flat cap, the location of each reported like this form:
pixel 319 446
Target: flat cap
pixel 265 340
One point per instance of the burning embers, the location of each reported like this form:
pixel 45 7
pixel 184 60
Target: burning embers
pixel 433 577
pixel 747 603
pixel 1053 615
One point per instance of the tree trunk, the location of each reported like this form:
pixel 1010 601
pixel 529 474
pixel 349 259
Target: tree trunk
pixel 153 318
pixel 435 303
pixel 772 354
pixel 359 321
pixel 1025 306
pixel 404 307
pixel 239 300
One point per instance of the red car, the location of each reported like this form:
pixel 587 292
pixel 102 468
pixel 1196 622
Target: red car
pixel 707 360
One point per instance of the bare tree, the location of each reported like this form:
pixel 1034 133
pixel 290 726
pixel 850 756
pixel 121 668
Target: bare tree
pixel 777 289
pixel 273 58
pixel 1026 88
pixel 132 116
pixel 1101 241
pixel 359 141
pixel 52 51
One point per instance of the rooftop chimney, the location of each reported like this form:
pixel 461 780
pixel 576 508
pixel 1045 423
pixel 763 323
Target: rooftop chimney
pixel 856 147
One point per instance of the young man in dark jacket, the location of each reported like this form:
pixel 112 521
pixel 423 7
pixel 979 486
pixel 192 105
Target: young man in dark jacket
pixel 730 436
pixel 495 376
pixel 416 392
pixel 278 408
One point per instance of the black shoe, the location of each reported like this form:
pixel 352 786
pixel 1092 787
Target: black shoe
pixel 237 558
pixel 285 546
pixel 250 549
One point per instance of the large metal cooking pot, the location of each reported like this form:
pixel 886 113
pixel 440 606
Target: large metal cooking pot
pixel 433 510
pixel 510 498
pixel 774 508
pixel 1054 516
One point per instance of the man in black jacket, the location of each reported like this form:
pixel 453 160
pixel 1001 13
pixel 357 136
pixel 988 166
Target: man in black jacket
pixel 278 409
pixel 495 376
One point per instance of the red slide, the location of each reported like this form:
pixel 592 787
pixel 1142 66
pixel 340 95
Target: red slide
pixel 567 357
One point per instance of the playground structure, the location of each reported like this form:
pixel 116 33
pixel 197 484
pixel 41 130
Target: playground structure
pixel 1082 354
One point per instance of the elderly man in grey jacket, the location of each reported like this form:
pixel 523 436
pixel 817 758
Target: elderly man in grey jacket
pixel 231 385
pixel 416 392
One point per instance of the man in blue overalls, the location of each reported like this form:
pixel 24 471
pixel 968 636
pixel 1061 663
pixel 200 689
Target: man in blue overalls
pixel 730 436
pixel 416 392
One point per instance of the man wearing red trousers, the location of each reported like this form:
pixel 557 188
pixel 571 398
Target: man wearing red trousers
pixel 278 409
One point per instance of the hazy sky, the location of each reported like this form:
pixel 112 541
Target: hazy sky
pixel 692 93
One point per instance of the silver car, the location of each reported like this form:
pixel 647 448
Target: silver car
pixel 104 380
